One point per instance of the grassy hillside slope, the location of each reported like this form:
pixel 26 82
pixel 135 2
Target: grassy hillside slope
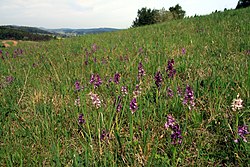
pixel 65 102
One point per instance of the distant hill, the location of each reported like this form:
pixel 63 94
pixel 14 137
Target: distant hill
pixel 24 33
pixel 33 30
pixel 34 33
pixel 74 32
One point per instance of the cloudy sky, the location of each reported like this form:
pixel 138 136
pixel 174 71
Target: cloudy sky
pixel 94 13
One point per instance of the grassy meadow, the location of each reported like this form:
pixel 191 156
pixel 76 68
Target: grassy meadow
pixel 157 95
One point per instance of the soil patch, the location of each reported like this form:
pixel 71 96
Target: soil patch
pixel 6 43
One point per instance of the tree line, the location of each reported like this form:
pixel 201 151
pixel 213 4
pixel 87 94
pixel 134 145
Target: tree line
pixel 243 4
pixel 147 16
pixel 15 34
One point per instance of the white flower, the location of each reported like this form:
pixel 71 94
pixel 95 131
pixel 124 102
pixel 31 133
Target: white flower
pixel 237 103
pixel 95 100
pixel 77 102
pixel 137 91
pixel 124 90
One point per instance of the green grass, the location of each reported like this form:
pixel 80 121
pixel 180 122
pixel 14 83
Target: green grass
pixel 39 121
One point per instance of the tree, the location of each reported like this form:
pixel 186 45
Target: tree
pixel 163 16
pixel 177 12
pixel 243 4
pixel 145 17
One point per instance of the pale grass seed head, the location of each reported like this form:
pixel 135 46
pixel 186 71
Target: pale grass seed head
pixel 95 100
pixel 77 102
pixel 237 103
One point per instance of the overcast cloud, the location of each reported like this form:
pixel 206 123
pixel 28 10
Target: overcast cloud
pixel 94 13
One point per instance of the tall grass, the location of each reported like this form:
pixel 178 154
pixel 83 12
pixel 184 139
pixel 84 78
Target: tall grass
pixel 40 105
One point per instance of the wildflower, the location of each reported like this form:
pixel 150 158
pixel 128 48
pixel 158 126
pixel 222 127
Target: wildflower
pixel 1 52
pixel 77 86
pixel 121 58
pixel 118 104
pixel 179 92
pixel 176 135
pixel 170 92
pixel 170 69
pixel 141 71
pixel 96 80
pixel 94 48
pixel 124 90
pixel 133 105
pixel 117 78
pixel 14 55
pixel 34 65
pixel 92 79
pixel 170 122
pixel 104 61
pixel 237 103
pixel 248 52
pixel 176 131
pixel 137 91
pixel 87 52
pixel 104 135
pixel 18 52
pixel 9 79
pixel 81 120
pixel 119 107
pixel 95 100
pixel 7 54
pixel 158 79
pixel 242 131
pixel 95 59
pixel 183 50
pixel 77 102
pixel 140 50
pixel 189 97
pixel 126 58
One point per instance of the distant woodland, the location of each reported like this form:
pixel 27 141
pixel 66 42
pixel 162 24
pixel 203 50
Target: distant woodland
pixel 24 33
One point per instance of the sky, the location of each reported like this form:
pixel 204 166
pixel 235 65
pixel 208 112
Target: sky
pixel 95 13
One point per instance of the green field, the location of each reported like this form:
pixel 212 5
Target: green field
pixel 46 86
